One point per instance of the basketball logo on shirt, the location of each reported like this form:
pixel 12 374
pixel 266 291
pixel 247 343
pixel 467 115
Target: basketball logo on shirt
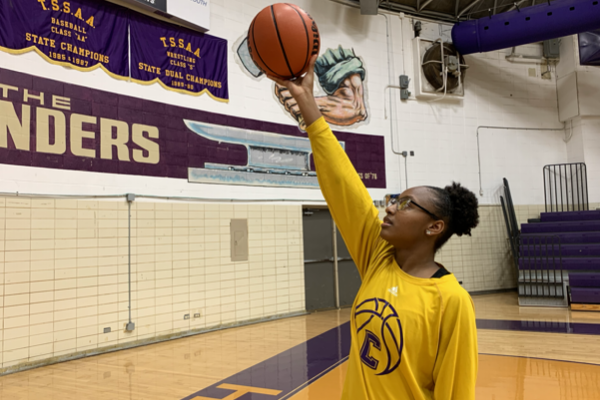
pixel 380 332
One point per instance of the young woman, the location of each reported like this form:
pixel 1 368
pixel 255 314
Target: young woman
pixel 413 325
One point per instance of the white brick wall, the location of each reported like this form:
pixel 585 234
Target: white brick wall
pixel 64 271
pixel 591 144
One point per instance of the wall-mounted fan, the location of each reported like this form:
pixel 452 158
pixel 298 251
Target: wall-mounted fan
pixel 441 70
pixel 443 65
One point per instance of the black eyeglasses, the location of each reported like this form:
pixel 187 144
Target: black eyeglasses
pixel 403 202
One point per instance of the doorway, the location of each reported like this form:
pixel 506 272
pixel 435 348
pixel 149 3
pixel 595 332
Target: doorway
pixel 323 249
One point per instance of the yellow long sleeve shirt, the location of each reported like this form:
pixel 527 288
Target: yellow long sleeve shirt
pixel 412 338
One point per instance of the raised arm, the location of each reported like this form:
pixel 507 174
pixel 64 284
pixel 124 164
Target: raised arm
pixel 348 199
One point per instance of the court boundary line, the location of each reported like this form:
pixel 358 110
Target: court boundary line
pixel 541 358
pixel 323 373
pixel 319 343
pixel 538 326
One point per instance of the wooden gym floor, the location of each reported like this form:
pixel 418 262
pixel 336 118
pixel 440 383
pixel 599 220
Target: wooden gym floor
pixel 525 353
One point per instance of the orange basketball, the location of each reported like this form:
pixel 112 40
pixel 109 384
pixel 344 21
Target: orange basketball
pixel 282 38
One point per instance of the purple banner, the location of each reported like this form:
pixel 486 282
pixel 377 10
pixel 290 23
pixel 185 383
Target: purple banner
pixel 178 58
pixel 51 124
pixel 81 34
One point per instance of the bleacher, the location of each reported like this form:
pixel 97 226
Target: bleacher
pixel 558 254
pixel 577 256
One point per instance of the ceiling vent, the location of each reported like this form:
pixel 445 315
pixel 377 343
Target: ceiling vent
pixel 369 7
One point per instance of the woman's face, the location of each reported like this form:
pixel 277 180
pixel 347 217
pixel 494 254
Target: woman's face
pixel 405 228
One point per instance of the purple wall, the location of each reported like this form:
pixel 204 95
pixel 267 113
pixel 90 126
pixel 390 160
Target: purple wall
pixel 179 147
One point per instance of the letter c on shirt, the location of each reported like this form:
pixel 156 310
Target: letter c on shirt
pixel 370 339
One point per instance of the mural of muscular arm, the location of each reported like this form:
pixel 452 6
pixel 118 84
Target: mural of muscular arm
pixel 341 75
pixel 345 107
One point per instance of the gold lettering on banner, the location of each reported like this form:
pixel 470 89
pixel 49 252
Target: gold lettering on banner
pixel 42 135
pixel 78 14
pixel 107 141
pixel 203 81
pixel 112 133
pixel 42 41
pixel 149 68
pixel 68 25
pixel 27 96
pixel 152 148
pixel 63 103
pixel 173 74
pixel 180 43
pixel 240 391
pixel 9 123
pixel 57 56
pixel 67 28
pixel 65 7
pixel 6 88
pixel 181 60
pixel 78 134
pixel 80 51
pixel 178 63
pixel 179 79
pixel 181 57
pixel 60 31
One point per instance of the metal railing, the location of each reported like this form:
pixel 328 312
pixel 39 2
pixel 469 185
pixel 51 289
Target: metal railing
pixel 565 187
pixel 537 258
pixel 540 266
pixel 510 219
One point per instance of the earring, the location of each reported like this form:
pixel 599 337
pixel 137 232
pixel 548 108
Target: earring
pixel 428 232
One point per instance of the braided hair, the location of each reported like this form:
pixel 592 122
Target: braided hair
pixel 457 206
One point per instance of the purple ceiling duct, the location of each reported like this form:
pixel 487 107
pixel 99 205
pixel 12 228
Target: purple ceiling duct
pixel 528 25
pixel 589 48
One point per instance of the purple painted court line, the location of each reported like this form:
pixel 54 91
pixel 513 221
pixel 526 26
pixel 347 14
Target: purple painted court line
pixel 290 370
pixel 539 326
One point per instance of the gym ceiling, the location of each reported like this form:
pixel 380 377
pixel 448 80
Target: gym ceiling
pixel 446 10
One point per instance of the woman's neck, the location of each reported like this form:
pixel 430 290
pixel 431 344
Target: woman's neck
pixel 417 262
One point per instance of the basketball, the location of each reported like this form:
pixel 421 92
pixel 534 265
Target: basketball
pixel 281 39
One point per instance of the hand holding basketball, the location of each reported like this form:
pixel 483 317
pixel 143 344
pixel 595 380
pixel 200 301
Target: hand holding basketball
pixel 302 95
pixel 282 38
pixel 289 103
pixel 284 42
pixel 301 86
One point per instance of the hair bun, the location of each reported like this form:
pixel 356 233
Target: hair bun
pixel 464 209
